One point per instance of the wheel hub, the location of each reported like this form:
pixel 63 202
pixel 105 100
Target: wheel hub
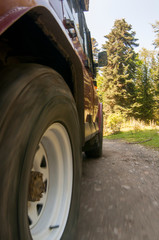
pixel 36 186
pixel 50 191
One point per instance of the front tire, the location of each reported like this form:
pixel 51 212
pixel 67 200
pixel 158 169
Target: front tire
pixel 40 155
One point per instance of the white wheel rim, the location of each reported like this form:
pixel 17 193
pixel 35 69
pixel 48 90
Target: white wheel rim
pixel 48 216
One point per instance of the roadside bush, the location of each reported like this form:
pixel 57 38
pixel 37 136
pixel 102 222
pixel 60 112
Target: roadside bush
pixel 114 122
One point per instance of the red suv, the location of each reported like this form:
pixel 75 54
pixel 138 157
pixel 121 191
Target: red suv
pixel 50 113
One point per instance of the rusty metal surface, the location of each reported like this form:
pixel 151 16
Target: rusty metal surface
pixel 36 186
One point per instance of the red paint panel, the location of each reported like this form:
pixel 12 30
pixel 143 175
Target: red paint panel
pixel 10 17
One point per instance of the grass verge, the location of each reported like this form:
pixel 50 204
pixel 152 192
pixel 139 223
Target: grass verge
pixel 146 137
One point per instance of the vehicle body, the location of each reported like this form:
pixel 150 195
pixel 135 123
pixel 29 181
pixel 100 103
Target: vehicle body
pixel 42 40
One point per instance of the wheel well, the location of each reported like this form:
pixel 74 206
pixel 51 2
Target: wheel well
pixel 25 42
pixel 32 39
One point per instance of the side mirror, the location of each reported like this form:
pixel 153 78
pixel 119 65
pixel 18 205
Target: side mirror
pixel 102 59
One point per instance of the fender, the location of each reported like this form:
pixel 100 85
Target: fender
pixel 52 26
pixel 100 115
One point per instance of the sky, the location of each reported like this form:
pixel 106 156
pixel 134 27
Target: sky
pixel 139 13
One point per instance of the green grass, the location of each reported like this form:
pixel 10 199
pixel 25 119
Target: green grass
pixel 139 136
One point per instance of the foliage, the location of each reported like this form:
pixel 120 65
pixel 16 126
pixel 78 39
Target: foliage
pixel 147 86
pixel 95 49
pixel 129 84
pixel 119 73
pixel 156 30
pixel 154 71
pixel 114 121
pixel 144 92
pixel 137 124
pixel 100 87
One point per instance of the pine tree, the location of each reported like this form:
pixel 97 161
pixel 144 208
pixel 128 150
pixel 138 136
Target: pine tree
pixel 119 74
pixel 156 30
pixel 145 85
pixel 154 71
pixel 95 49
pixel 145 94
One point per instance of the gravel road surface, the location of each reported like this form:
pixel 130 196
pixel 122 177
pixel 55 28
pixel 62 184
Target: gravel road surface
pixel 120 194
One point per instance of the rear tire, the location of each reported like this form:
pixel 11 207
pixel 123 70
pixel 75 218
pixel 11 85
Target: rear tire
pixel 40 155
pixel 95 146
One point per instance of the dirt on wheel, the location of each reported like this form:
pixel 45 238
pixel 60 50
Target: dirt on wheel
pixel 120 194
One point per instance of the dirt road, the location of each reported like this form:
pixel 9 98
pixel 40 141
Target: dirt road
pixel 120 194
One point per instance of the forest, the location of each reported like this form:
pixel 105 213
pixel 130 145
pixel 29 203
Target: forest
pixel 128 86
